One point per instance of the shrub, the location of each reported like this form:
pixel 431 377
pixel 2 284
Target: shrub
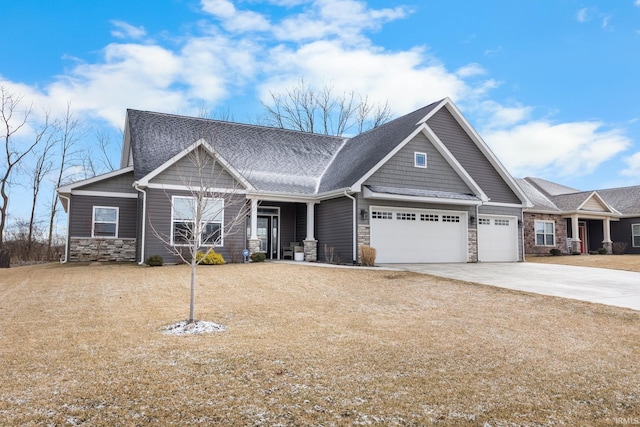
pixel 258 257
pixel 618 248
pixel 367 255
pixel 602 251
pixel 576 253
pixel 593 252
pixel 209 258
pixel 555 252
pixel 154 261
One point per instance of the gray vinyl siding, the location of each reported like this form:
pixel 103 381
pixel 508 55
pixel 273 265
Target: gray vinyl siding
pixel 621 232
pixel 301 222
pixel 508 211
pixel 470 157
pixel 334 227
pixel 400 171
pixel 81 214
pixel 159 226
pixel 184 172
pixel 117 184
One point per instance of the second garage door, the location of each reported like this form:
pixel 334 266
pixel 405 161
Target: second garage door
pixel 402 235
pixel 497 238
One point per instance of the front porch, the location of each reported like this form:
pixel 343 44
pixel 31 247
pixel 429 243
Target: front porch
pixel 273 225
pixel 589 233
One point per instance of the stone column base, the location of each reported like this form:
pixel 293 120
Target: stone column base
pixel 608 247
pixel 310 250
pixel 575 246
pixel 254 246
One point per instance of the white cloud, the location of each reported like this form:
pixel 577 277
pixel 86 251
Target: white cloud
pixel 407 79
pixel 564 149
pixel 633 161
pixel 470 70
pixel 344 19
pixel 233 19
pixel 637 2
pixel 583 15
pixel 124 30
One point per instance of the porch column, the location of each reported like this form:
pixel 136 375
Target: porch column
pixel 575 233
pixel 310 243
pixel 606 228
pixel 254 243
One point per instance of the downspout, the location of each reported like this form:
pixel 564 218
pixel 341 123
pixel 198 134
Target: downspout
pixel 66 241
pixel 144 221
pixel 355 228
pixel 478 231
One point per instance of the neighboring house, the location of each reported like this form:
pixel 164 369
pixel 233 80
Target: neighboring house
pixel 580 221
pixel 421 188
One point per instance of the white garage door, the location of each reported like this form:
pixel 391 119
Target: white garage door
pixel 497 238
pixel 415 235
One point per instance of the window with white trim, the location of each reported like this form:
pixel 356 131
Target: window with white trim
pixel 104 222
pixel 450 218
pixel 545 233
pixel 635 235
pixel 502 222
pixel 420 160
pixel 184 212
pixel 429 217
pixel 484 221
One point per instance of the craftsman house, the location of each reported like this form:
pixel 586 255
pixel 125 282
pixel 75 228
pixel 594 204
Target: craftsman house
pixel 421 188
pixel 575 221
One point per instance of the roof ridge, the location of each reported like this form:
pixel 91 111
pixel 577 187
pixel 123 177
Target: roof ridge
pixel 233 123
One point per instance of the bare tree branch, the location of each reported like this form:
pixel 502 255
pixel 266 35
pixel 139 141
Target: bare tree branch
pixel 207 213
pixel 306 109
pixel 13 152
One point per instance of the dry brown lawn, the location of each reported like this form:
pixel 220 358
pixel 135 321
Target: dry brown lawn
pixel 615 262
pixel 82 345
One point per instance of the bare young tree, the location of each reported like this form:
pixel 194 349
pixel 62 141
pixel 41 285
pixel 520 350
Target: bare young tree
pixel 70 131
pixel 202 217
pixel 306 109
pixel 12 119
pixel 38 172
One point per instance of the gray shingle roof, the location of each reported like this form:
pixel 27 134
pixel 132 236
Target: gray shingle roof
pixel 536 196
pixel 625 200
pixel 549 196
pixel 272 159
pixel 276 160
pixel 361 153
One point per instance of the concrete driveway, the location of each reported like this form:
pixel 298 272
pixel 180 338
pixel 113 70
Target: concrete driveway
pixel 599 285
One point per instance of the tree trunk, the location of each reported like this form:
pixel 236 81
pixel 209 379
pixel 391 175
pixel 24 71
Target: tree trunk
pixel 192 302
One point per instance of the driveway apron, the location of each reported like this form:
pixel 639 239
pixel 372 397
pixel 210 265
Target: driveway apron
pixel 599 285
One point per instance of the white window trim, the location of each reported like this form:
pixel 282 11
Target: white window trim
pixel 535 232
pixel 93 222
pixel 634 235
pixel 221 222
pixel 415 160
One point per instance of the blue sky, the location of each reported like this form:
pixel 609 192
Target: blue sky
pixel 552 86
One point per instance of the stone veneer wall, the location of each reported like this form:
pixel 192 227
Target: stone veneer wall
pixel 530 246
pixel 473 245
pixel 91 249
pixel 364 237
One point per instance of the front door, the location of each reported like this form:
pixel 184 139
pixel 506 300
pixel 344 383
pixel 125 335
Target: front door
pixel 267 231
pixel 582 235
